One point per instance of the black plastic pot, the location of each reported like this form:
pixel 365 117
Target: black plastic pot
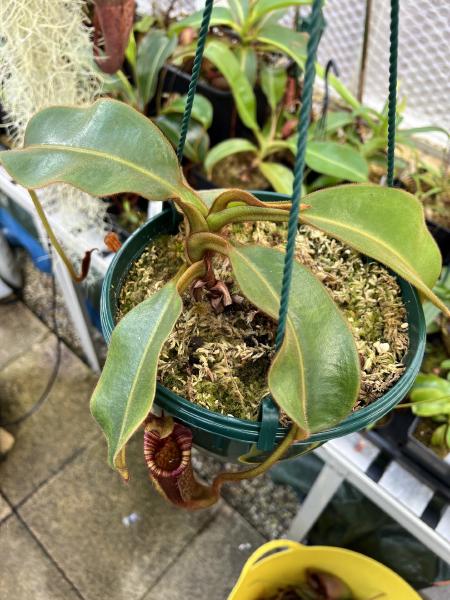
pixel 176 80
pixel 199 181
pixel 425 456
pixel 237 439
pixel 442 236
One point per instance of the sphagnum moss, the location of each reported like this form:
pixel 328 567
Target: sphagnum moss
pixel 220 361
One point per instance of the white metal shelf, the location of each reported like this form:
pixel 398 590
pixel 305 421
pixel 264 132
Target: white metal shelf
pixel 398 492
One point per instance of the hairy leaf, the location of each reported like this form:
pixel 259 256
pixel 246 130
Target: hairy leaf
pixel 386 224
pixel 125 391
pixel 227 148
pixel 223 58
pixel 280 177
pixel 87 148
pixel 315 376
pixel 337 160
pixel 153 51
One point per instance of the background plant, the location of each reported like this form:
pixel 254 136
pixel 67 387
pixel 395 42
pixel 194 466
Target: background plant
pixel 366 130
pixel 250 30
pixel 430 398
pixel 340 161
pixel 147 52
pixel 315 375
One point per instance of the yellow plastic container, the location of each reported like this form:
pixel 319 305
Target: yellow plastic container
pixel 266 571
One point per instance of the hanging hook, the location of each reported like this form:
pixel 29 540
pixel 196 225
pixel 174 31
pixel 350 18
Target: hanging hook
pixel 321 125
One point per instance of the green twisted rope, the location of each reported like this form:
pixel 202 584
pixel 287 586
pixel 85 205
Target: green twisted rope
pixel 303 124
pixel 392 102
pixel 203 33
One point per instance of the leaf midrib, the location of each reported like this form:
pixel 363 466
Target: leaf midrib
pixel 407 267
pixel 104 156
pixel 138 369
pixel 289 320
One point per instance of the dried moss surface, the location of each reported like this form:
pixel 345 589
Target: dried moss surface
pixel 239 170
pixel 220 361
pixel 437 209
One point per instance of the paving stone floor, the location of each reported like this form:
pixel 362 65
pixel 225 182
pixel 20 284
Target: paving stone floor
pixel 69 528
pixel 65 526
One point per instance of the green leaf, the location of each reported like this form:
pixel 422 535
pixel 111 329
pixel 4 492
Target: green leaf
pixel 239 10
pixel 262 7
pixel 386 224
pixel 131 51
pixel 337 160
pixel 289 42
pixel 404 133
pixel 219 16
pixel 126 389
pixel 118 85
pixel 430 404
pixel 197 140
pixel 223 58
pixel 315 377
pixel 153 51
pixel 334 121
pixel 430 382
pixel 86 148
pixel 280 177
pixel 431 313
pixel 439 435
pixel 202 110
pixel 248 62
pixel 273 84
pixel 208 196
pixel 323 181
pixel 227 148
pixel 144 24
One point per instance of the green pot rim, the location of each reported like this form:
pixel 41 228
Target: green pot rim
pixel 243 430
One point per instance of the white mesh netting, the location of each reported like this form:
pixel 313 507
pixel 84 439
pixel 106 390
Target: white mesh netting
pixel 424 52
pixel 424 58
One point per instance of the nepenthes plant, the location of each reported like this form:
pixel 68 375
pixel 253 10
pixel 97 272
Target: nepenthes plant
pixel 110 148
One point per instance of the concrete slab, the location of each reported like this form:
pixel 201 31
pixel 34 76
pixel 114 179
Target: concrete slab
pixel 436 593
pixel 112 540
pixel 19 329
pixel 26 572
pixel 211 565
pixel 58 430
pixel 5 509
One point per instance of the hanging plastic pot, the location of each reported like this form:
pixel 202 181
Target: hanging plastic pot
pixel 282 563
pixel 240 440
pixel 424 456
